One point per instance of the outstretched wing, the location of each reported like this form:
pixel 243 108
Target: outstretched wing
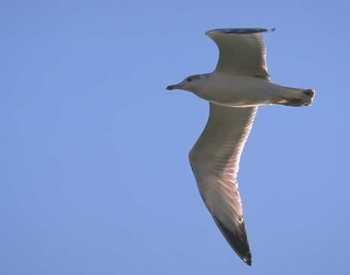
pixel 215 163
pixel 241 51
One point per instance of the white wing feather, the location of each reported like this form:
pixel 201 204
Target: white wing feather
pixel 241 51
pixel 215 163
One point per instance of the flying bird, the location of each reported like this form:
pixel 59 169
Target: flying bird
pixel 239 84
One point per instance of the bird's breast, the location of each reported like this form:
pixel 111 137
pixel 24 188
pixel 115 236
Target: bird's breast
pixel 237 91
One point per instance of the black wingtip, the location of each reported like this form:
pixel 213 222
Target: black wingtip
pixel 237 240
pixel 247 259
pixel 240 30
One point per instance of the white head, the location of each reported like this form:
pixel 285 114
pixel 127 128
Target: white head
pixel 191 83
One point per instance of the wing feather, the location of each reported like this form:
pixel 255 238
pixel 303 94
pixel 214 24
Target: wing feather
pixel 241 51
pixel 215 163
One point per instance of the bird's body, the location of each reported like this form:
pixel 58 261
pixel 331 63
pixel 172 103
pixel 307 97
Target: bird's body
pixel 244 91
pixel 239 84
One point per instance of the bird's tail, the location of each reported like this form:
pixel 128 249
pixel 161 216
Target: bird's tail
pixel 300 98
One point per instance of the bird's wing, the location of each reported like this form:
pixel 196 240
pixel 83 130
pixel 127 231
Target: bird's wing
pixel 241 51
pixel 215 163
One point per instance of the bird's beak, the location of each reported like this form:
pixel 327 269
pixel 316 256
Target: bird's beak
pixel 178 86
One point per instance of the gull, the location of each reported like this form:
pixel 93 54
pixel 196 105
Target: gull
pixel 238 85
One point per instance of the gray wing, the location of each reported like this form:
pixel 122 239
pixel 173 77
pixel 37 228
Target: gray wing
pixel 241 51
pixel 215 163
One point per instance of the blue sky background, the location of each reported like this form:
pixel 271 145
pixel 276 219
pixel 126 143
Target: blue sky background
pixel 94 175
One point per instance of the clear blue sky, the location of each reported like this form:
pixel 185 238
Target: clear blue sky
pixel 94 175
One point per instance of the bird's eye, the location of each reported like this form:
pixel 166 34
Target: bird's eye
pixel 189 79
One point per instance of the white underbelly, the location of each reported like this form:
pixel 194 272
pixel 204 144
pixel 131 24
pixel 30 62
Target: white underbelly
pixel 241 91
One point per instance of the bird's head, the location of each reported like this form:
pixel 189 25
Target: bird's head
pixel 190 83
